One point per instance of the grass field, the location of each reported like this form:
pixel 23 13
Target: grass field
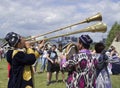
pixel 40 79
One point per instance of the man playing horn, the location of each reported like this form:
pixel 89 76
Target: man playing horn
pixel 20 59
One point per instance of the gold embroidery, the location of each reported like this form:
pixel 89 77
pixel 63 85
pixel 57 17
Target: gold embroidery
pixel 14 52
pixel 27 73
pixel 30 51
pixel 28 86
pixel 37 55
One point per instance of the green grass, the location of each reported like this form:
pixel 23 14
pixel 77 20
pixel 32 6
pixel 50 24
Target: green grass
pixel 40 79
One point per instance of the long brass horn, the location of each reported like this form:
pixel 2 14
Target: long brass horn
pixel 98 27
pixel 97 17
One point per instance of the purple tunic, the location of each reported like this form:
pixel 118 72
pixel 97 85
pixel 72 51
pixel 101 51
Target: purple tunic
pixel 82 70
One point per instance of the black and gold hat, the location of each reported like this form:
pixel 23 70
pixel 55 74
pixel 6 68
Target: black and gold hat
pixel 12 38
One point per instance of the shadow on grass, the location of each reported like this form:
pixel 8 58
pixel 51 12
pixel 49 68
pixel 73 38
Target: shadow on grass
pixel 1 68
pixel 59 81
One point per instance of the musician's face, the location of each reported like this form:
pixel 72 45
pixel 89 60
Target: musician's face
pixel 79 45
pixel 22 43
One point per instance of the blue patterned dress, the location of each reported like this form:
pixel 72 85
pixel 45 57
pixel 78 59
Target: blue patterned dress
pixel 103 78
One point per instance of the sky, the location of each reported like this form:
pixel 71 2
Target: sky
pixel 34 17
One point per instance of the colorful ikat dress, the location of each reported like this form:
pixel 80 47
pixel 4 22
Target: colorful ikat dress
pixel 81 70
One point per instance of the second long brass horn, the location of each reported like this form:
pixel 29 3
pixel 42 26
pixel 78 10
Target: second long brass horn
pixel 97 17
pixel 98 27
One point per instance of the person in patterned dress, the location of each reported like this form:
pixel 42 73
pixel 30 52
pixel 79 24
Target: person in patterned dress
pixel 103 78
pixel 82 67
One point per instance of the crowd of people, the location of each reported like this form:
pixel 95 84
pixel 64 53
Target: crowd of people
pixel 86 69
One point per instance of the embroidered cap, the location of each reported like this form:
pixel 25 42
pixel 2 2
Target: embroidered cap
pixel 12 38
pixel 85 39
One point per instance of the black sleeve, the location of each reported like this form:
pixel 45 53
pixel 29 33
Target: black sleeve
pixel 25 59
pixel 9 56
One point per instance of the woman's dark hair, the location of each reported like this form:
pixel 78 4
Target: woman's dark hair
pixel 54 46
pixel 99 47
pixel 60 47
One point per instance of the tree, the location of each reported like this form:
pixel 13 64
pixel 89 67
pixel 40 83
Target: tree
pixel 112 34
